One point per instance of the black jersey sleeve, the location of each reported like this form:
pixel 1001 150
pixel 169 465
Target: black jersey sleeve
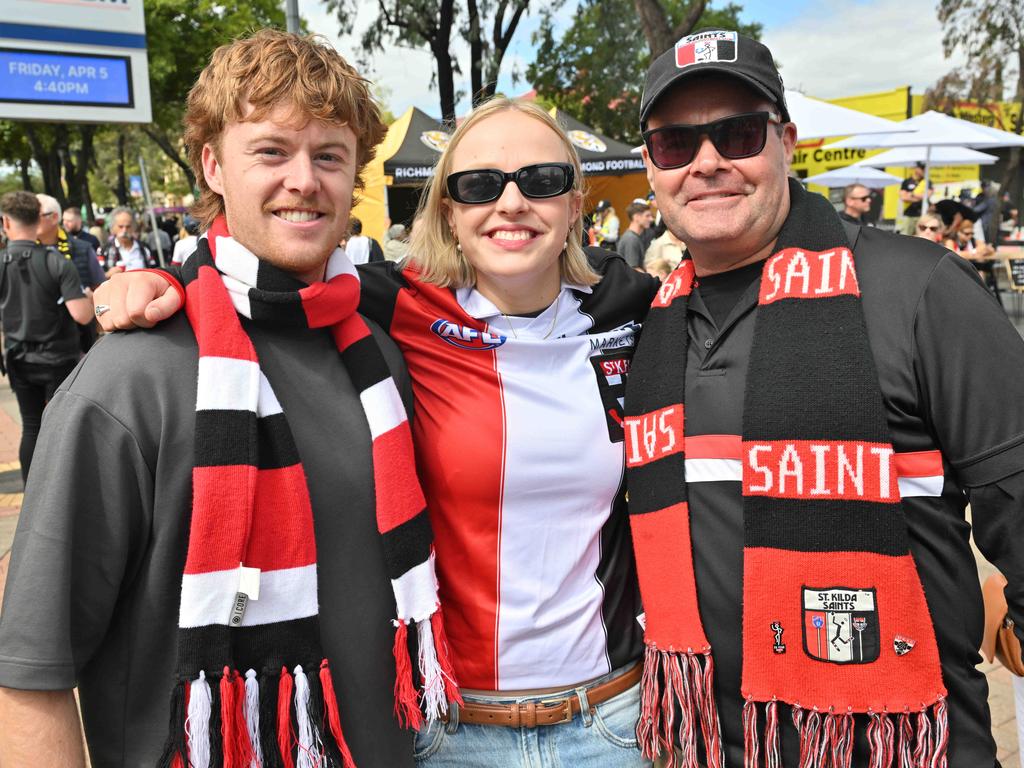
pixel 381 282
pixel 622 296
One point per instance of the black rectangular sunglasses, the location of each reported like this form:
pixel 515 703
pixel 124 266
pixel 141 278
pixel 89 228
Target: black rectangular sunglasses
pixel 485 185
pixel 735 137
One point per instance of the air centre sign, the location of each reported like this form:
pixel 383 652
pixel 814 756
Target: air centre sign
pixel 81 61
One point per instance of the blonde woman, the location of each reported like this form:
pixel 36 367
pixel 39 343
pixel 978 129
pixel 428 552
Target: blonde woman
pixel 518 344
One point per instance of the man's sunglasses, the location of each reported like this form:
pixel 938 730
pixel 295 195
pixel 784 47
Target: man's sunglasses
pixel 734 137
pixel 862 198
pixel 487 184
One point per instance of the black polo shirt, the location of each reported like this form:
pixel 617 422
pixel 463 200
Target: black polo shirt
pixel 951 368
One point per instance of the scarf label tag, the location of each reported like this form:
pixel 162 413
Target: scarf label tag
pixel 249 582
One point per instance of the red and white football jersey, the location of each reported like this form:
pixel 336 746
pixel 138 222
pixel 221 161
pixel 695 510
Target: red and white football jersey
pixel 518 432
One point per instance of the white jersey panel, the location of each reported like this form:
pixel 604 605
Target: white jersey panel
pixel 561 473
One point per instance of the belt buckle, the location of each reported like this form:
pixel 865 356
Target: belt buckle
pixel 565 703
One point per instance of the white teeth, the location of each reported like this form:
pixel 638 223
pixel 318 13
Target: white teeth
pixel 515 234
pixel 298 216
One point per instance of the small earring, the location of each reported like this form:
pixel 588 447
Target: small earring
pixel 458 246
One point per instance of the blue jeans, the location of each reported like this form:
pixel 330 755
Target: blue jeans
pixel 606 739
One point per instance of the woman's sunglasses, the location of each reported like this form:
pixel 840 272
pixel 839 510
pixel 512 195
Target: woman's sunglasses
pixel 735 137
pixel 487 184
pixel 928 228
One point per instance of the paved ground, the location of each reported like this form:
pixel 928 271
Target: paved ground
pixel 1004 725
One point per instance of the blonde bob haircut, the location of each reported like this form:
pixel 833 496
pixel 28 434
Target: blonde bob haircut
pixel 269 69
pixel 432 248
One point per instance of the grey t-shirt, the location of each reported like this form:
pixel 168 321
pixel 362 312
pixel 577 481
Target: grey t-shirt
pixel 92 594
pixel 631 248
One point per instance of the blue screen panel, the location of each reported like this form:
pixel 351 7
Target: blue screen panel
pixel 53 78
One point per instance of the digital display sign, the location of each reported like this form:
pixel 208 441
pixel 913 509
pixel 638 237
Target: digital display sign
pixel 35 77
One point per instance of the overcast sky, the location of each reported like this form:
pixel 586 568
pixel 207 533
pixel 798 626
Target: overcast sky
pixel 827 48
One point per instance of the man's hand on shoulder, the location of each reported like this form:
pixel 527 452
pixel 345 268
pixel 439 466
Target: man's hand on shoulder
pixel 135 299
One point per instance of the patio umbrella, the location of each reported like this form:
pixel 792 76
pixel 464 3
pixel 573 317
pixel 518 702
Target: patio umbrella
pixel 906 157
pixel 855 174
pixel 934 129
pixel 817 119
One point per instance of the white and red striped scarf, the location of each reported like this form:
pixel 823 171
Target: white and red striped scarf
pixel 253 685
pixel 832 555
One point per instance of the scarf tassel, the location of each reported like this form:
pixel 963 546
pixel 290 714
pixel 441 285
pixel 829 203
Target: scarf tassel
pixel 407 709
pixel 174 755
pixel 333 714
pixel 672 683
pixel 827 740
pixel 444 657
pixel 285 686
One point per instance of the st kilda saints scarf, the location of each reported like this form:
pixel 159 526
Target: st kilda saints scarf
pixel 253 686
pixel 826 555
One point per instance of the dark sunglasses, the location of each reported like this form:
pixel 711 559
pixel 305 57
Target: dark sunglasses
pixel 487 184
pixel 734 137
pixel 862 198
pixel 926 228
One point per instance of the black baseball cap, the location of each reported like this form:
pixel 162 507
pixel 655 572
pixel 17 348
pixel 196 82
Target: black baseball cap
pixel 721 51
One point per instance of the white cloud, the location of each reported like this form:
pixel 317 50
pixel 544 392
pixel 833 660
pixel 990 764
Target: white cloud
pixel 843 48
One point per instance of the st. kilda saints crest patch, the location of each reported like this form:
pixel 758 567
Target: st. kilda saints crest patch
pixel 841 625
pixel 611 369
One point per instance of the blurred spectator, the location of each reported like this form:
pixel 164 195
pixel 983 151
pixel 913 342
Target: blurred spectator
pixel 911 194
pixel 929 227
pixel 856 204
pixel 41 299
pixel 984 207
pixel 952 212
pixel 606 222
pixel 360 248
pixel 187 244
pixel 152 238
pixel 660 266
pixel 72 221
pixel 963 242
pixel 631 245
pixel 665 246
pixel 396 242
pixel 123 251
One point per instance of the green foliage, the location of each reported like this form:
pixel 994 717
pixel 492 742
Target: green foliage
pixel 990 34
pixel 595 72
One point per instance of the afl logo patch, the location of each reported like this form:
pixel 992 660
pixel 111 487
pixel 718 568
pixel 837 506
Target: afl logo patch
pixel 466 338
pixel 436 140
pixel 587 140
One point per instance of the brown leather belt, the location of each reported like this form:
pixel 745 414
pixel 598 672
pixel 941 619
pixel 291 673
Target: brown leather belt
pixel 547 711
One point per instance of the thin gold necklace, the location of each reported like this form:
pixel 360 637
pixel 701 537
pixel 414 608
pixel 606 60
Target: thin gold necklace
pixel 554 320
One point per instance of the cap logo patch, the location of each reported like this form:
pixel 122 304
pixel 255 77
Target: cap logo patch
pixel 705 47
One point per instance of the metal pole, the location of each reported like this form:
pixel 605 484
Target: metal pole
pixel 927 178
pixel 291 15
pixel 149 209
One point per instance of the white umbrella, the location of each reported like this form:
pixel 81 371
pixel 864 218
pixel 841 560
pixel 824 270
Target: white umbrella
pixel 906 157
pixel 817 119
pixel 855 174
pixel 934 129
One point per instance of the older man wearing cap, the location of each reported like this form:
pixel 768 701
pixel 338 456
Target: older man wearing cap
pixel 803 553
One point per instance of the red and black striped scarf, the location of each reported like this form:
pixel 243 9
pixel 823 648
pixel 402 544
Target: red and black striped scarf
pixel 253 686
pixel 826 554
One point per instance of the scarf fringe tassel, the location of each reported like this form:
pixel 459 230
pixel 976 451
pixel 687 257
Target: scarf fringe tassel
pixel 678 682
pixel 435 669
pixel 827 739
pixel 285 720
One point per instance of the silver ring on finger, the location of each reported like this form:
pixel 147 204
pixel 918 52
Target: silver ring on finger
pixel 101 308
